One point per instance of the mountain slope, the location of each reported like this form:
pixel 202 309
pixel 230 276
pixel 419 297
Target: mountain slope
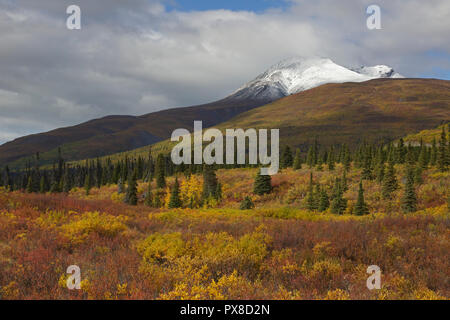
pixel 381 109
pixel 299 74
pixel 378 110
pixel 114 134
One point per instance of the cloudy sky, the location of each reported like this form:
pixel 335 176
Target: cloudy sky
pixel 138 56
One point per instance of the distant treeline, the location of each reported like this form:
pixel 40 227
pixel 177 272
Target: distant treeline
pixel 62 177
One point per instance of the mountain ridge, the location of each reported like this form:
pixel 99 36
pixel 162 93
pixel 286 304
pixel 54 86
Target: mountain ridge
pixel 298 74
pixel 117 133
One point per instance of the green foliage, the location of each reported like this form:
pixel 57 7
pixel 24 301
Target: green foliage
pixel 262 184
pixel 311 200
pixel 409 200
pixel 390 184
pixel 286 160
pixel 160 171
pixel 297 160
pixel 338 203
pixel 361 207
pixel 149 196
pixel 247 204
pixel 324 201
pixel 442 158
pixel 175 201
pixel 131 195
pixel 211 188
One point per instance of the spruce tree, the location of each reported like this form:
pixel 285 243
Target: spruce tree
pixel 297 160
pixel 418 179
pixel 343 182
pixel 367 170
pixel 331 160
pixel 30 184
pixel 43 185
pixel 175 201
pixel 120 186
pixel 324 202
pixel 148 196
pixel 433 153
pixel 160 171
pixel 66 186
pixel 310 157
pixel 338 203
pixel 247 204
pixel 400 152
pixel 409 200
pixel 209 183
pixel 423 156
pixel 381 168
pixel 319 164
pixel 390 184
pixel 346 161
pixel 442 152
pixel 88 182
pixel 361 207
pixel 131 195
pixel 286 158
pixel 311 203
pixel 55 186
pixel 262 184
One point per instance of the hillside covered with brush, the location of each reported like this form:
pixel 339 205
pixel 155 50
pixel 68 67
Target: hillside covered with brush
pixel 376 110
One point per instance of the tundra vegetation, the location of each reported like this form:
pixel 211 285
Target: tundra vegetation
pixel 146 229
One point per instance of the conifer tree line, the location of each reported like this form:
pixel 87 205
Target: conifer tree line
pixel 376 162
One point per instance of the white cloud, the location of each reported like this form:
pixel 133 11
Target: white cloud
pixel 134 57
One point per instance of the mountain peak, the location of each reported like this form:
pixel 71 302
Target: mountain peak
pixel 298 74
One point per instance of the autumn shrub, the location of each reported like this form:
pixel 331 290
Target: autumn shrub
pixel 88 223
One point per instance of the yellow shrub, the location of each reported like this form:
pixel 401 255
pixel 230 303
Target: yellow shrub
pixel 191 191
pixel 93 222
pixel 118 197
pixel 160 248
pixel 337 294
pixel 427 294
pixel 325 269
pixel 10 291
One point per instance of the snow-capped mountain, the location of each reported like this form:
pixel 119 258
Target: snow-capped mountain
pixel 298 74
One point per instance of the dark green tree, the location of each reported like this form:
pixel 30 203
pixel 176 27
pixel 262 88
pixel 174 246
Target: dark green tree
pixel 381 168
pixel 175 201
pixel 418 179
pixel 209 183
pixel 324 201
pixel 409 200
pixel 442 152
pixel 331 160
pixel 311 200
pixel 160 171
pixel 149 196
pixel 247 204
pixel 262 184
pixel 131 195
pixel 338 203
pixel 286 160
pixel 433 153
pixel 297 160
pixel 88 182
pixel 361 207
pixel 390 184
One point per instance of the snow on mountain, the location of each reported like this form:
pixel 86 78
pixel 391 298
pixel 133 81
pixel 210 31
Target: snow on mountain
pixel 298 74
